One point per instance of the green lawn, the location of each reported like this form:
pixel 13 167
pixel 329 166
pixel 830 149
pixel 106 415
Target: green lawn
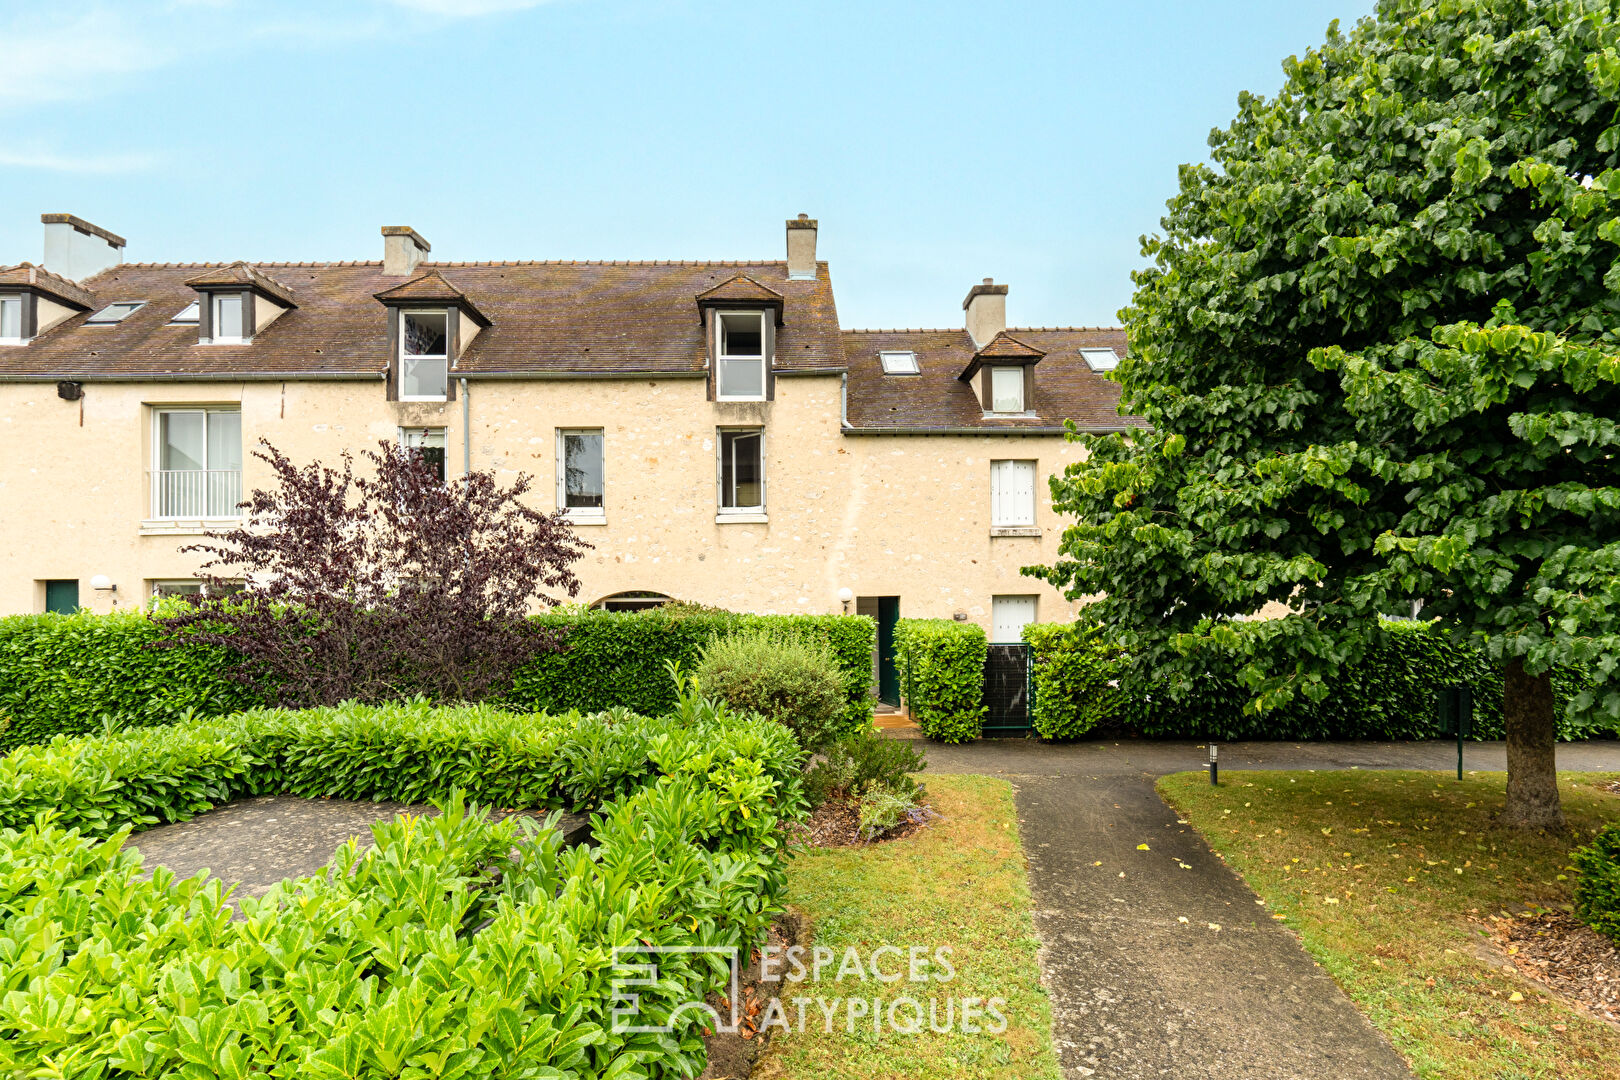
pixel 1389 878
pixel 959 883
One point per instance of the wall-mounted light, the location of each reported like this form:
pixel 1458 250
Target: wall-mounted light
pixel 844 597
pixel 103 583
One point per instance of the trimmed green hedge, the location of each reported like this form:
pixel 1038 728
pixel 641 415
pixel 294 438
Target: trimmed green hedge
pixel 1075 675
pixel 456 948
pixel 1597 889
pixel 1388 695
pixel 78 674
pixel 941 666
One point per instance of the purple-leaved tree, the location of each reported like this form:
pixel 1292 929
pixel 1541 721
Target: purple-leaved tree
pixel 380 587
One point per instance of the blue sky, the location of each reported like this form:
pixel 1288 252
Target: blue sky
pixel 936 143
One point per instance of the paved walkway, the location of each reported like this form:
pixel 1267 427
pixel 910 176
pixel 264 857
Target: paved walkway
pixel 1138 993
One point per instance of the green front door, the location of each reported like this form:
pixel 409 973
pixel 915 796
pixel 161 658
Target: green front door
pixel 888 673
pixel 62 596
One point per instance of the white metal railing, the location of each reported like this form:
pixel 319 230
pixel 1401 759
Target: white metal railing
pixel 196 493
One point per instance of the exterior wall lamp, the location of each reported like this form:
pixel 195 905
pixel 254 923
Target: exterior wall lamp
pixel 844 597
pixel 102 583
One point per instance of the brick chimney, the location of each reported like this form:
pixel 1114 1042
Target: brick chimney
pixel 76 249
pixel 403 248
pixel 986 307
pixel 801 247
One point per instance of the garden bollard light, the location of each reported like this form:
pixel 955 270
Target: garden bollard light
pixel 1214 767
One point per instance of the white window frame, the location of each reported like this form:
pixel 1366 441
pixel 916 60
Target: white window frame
pixel 1023 405
pixel 905 362
pixel 403 356
pixel 721 509
pixel 132 305
pixel 1108 363
pixel 408 434
pixel 214 336
pixel 586 514
pixel 17 301
pixel 158 413
pixel 721 358
pixel 190 315
pixel 1007 510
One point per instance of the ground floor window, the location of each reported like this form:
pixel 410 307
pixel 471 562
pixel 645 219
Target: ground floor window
pixel 742 471
pixel 62 596
pixel 428 444
pixel 636 600
pixel 1009 615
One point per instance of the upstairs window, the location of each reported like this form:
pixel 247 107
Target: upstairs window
pixel 190 315
pixel 427 444
pixel 113 314
pixel 1101 359
pixel 227 312
pixel 741 337
pixel 11 319
pixel 742 472
pixel 1012 494
pixel 580 485
pixel 196 463
pixel 899 363
pixel 1007 389
pixel 424 355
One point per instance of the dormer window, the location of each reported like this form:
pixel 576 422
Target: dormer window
pixel 898 363
pixel 424 355
pixel 741 341
pixel 190 315
pixel 1007 389
pixel 227 313
pixel 113 314
pixel 11 311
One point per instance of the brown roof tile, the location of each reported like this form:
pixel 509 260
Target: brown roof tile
pixel 936 400
pixel 545 317
pixel 28 276
pixel 241 273
pixel 431 288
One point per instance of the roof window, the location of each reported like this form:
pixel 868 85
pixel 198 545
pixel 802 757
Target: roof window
pixel 188 316
pixel 1101 359
pixel 899 363
pixel 113 314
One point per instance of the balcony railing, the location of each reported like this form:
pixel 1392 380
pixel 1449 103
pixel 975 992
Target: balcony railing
pixel 196 493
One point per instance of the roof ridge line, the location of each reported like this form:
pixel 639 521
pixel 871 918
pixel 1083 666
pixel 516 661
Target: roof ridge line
pixel 1028 329
pixel 906 330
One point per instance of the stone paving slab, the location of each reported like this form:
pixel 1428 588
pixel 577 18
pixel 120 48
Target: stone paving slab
pixel 255 844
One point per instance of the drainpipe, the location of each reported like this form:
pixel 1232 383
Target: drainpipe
pixel 843 400
pixel 466 431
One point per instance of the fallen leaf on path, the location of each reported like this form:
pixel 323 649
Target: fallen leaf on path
pixel 1142 847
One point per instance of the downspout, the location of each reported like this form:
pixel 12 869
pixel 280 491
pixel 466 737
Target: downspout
pixel 843 401
pixel 466 431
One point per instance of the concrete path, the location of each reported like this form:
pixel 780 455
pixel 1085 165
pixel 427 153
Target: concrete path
pixel 1136 992
pixel 256 843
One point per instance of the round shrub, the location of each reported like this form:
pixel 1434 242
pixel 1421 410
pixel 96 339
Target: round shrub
pixel 1597 890
pixel 782 677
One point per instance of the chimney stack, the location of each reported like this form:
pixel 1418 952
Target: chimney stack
pixel 403 248
pixel 986 307
pixel 801 248
pixel 76 249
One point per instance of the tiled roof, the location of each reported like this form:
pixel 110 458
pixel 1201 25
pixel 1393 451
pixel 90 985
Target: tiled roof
pixel 935 399
pixel 431 288
pixel 240 273
pixel 545 317
pixel 27 275
pixel 1006 347
pixel 739 288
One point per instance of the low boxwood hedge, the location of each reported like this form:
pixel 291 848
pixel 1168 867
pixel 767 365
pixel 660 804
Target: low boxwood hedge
pixel 456 948
pixel 941 666
pixel 79 674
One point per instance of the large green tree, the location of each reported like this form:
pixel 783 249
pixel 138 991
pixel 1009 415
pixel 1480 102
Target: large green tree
pixel 1378 347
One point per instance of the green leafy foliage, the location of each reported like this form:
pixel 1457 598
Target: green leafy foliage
pixel 882 807
pixel 1076 673
pixel 1377 351
pixel 860 762
pixel 778 675
pixel 941 665
pixel 1597 889
pixel 76 674
pixel 456 947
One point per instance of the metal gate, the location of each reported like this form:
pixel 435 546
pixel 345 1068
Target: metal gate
pixel 1009 692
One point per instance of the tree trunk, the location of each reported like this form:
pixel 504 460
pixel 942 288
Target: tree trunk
pixel 1532 741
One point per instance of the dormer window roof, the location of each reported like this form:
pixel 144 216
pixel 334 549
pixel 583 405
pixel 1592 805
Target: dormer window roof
pixel 236 302
pixel 741 291
pixel 115 313
pixel 1002 350
pixel 33 300
pixel 431 290
pixel 240 275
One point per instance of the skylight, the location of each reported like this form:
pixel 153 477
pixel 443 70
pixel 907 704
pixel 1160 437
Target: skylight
pixel 188 315
pixel 1101 359
pixel 115 313
pixel 899 363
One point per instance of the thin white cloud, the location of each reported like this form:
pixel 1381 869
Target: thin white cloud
pixel 54 161
pixel 61 59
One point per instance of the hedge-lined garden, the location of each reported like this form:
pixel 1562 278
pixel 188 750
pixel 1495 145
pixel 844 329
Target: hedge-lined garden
pixel 77 674
pixel 457 948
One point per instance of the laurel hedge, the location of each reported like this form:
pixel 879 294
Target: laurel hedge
pixel 84 673
pixel 941 666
